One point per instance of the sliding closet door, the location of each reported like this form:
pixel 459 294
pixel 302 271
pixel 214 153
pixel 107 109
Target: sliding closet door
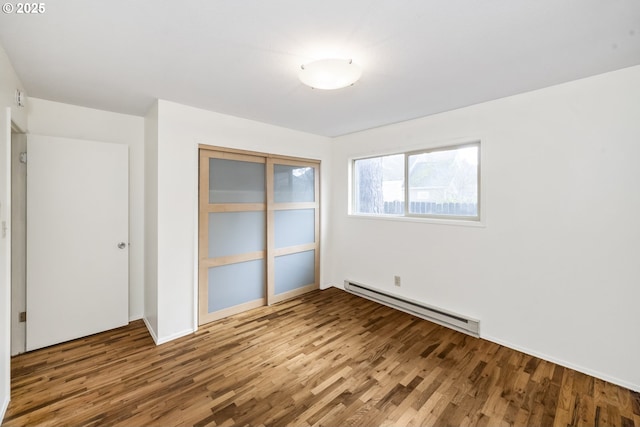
pixel 259 230
pixel 293 230
pixel 232 234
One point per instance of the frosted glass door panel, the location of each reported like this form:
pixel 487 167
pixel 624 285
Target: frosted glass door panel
pixel 293 184
pixel 235 284
pixel 294 227
pixel 234 233
pixel 234 181
pixel 294 271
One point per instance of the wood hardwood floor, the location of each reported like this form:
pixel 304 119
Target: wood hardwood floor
pixel 327 358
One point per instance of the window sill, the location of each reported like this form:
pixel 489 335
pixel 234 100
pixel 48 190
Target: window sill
pixel 439 221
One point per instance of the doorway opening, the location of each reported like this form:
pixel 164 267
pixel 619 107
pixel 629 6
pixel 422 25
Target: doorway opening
pixel 18 240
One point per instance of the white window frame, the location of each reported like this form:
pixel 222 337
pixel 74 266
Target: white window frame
pixel 446 219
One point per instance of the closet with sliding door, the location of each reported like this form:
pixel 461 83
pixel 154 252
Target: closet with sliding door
pixel 258 230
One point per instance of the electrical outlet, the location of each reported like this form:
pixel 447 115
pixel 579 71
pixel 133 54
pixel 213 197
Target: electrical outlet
pixel 396 280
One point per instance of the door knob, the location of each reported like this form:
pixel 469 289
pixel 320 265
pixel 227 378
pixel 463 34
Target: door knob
pixel 122 245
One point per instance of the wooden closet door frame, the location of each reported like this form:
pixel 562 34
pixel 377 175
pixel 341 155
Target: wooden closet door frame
pixel 272 206
pixel 204 261
pixel 207 152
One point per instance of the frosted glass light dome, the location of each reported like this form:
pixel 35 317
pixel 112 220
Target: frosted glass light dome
pixel 329 74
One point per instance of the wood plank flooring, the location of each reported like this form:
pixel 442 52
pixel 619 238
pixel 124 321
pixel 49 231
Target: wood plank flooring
pixel 326 358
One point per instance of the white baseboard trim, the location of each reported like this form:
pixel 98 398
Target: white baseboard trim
pixel 174 336
pixel 160 341
pixel 135 317
pixel 3 408
pixel 151 331
pixel 593 373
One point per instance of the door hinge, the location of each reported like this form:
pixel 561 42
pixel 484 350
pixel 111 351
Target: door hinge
pixel 22 317
pixel 23 157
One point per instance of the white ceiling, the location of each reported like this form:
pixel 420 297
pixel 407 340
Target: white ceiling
pixel 241 57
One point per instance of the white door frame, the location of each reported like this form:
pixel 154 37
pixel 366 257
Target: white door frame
pixel 5 260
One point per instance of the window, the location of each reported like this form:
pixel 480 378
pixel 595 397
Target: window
pixel 435 183
pixel 379 184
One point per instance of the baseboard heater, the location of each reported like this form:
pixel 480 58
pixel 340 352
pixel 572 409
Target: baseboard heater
pixel 437 315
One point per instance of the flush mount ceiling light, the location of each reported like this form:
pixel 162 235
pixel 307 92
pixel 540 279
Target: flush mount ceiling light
pixel 330 74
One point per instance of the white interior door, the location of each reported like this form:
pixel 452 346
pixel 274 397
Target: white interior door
pixel 77 239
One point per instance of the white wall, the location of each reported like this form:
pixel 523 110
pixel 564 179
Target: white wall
pixel 9 111
pixel 555 271
pixel 181 129
pixel 151 221
pixel 70 121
